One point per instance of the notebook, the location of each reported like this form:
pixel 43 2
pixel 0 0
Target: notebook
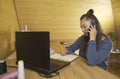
pixel 66 58
pixel 34 49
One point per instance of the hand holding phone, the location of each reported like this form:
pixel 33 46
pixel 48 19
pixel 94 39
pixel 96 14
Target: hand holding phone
pixel 93 24
pixel 92 31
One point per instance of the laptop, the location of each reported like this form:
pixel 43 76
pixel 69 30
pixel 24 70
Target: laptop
pixel 34 49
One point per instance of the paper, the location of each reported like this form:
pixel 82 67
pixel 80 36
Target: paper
pixel 51 51
pixel 67 58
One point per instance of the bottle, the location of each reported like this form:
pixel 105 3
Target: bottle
pixel 21 74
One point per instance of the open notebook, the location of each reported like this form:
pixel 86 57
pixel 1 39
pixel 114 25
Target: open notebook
pixel 67 58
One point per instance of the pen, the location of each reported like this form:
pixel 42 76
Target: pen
pixel 61 47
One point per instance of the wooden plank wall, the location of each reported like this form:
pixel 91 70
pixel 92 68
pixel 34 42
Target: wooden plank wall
pixel 116 13
pixel 8 26
pixel 61 17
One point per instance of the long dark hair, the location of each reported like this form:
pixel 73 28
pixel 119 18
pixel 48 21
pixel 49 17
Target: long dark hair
pixel 90 16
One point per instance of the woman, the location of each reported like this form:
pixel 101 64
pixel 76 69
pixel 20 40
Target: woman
pixel 94 45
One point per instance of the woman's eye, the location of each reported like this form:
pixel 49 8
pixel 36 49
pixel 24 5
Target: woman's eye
pixel 84 27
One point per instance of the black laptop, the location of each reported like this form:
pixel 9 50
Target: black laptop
pixel 34 49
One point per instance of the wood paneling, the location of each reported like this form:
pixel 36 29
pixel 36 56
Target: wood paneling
pixel 8 26
pixel 61 17
pixel 116 12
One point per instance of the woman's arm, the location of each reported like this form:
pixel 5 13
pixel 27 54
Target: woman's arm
pixel 75 45
pixel 96 57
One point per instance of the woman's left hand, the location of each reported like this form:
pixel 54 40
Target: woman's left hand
pixel 93 32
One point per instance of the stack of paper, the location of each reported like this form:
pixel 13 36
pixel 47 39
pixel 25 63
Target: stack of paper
pixel 67 58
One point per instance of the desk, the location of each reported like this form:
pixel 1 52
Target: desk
pixel 78 69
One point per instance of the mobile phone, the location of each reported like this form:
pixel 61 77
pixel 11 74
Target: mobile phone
pixel 93 24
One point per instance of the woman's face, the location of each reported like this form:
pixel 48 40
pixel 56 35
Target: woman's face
pixel 85 25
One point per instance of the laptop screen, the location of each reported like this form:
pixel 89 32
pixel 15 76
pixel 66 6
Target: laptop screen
pixel 33 48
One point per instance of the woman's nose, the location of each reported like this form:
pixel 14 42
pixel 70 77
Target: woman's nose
pixel 83 30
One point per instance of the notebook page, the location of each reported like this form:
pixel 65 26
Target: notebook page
pixel 67 58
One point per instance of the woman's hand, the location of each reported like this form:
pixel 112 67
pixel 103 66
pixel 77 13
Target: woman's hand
pixel 62 48
pixel 93 32
pixel 64 52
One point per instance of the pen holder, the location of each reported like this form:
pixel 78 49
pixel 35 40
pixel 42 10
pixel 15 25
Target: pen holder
pixel 3 67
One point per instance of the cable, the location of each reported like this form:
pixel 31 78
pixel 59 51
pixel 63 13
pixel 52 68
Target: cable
pixel 13 66
pixel 16 12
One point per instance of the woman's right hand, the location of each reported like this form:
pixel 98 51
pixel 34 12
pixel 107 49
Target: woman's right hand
pixel 63 49
pixel 64 52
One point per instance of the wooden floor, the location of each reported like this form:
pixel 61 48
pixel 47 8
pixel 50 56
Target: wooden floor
pixel 114 64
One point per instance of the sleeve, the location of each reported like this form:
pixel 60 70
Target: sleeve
pixel 96 57
pixel 74 46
